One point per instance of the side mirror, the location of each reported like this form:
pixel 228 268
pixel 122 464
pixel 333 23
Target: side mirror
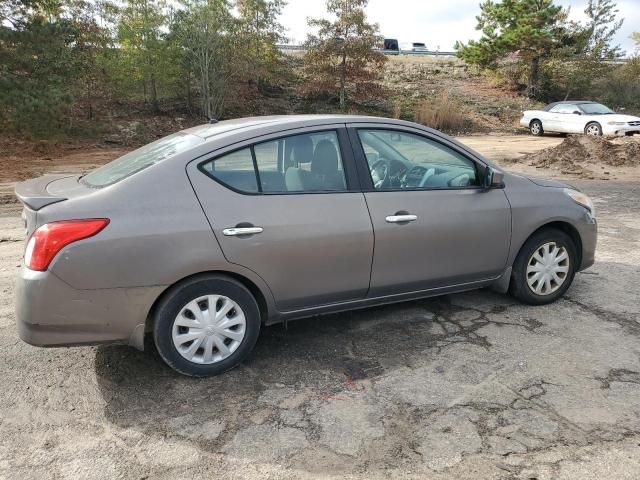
pixel 493 178
pixel 576 112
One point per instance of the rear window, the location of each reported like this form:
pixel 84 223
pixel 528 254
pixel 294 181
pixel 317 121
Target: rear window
pixel 140 159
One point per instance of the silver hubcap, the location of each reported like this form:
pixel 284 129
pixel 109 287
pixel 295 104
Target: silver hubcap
pixel 535 128
pixel 593 130
pixel 547 269
pixel 208 329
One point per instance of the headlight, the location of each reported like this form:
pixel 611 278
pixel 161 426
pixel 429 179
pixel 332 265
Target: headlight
pixel 581 199
pixel 617 123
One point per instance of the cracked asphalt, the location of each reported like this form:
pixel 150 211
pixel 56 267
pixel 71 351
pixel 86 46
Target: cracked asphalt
pixel 473 385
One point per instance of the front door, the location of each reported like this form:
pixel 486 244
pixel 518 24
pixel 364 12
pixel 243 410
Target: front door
pixel 287 209
pixel 434 225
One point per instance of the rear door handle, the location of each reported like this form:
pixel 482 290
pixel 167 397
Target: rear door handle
pixel 235 231
pixel 401 218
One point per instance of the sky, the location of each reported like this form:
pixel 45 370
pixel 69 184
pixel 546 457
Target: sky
pixel 438 23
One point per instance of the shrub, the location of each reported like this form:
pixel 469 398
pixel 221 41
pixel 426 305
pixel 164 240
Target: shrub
pixel 442 113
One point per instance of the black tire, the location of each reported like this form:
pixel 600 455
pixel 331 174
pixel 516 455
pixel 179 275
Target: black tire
pixel 593 126
pixel 176 298
pixel 535 127
pixel 519 287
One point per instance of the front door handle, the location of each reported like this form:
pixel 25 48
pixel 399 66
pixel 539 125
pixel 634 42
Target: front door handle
pixel 235 231
pixel 401 218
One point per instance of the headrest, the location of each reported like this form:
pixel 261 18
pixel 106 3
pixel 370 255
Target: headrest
pixel 301 149
pixel 325 158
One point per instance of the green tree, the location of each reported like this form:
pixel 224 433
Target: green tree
pixel 584 56
pixel 208 33
pixel 340 57
pixel 602 26
pixel 39 65
pixel 140 38
pixel 530 27
pixel 261 31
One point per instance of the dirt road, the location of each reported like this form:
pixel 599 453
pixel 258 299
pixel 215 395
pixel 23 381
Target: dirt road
pixel 464 386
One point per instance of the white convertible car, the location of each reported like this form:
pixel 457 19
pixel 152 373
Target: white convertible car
pixel 590 118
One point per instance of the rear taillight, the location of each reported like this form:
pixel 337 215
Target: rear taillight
pixel 50 238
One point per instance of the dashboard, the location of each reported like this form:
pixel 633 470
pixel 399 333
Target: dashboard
pixel 395 174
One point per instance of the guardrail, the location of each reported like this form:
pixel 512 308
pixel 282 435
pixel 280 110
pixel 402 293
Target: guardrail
pixel 433 53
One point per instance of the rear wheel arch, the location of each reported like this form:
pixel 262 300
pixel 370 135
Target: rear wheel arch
pixel 258 295
pixel 541 126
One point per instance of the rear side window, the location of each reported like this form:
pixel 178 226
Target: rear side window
pixel 298 163
pixel 235 170
pixel 140 159
pixel 564 108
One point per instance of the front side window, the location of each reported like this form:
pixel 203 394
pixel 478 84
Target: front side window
pixel 400 160
pixel 298 163
pixel 596 109
pixel 141 158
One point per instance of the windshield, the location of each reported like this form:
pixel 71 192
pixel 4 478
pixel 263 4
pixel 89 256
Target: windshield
pixel 595 109
pixel 140 159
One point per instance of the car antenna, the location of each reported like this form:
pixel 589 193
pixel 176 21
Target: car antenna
pixel 213 120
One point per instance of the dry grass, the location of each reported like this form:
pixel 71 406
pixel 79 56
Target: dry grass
pixel 442 113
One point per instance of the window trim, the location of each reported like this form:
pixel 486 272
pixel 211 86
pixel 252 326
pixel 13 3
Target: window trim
pixel 349 167
pixel 363 166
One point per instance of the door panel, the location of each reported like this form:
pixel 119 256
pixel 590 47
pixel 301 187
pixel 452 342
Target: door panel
pixel 313 248
pixel 434 225
pixel 458 236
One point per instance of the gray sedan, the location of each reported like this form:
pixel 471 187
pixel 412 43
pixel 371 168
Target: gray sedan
pixel 202 237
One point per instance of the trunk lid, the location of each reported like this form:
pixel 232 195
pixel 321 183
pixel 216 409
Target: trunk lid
pixel 35 194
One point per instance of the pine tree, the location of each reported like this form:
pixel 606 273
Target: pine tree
pixel 602 26
pixel 530 27
pixel 341 58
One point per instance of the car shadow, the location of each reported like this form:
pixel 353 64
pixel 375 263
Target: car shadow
pixel 322 355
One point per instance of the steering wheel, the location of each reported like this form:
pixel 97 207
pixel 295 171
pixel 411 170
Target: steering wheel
pixel 379 173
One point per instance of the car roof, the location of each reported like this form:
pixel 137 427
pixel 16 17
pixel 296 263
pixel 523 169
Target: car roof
pixel 567 102
pixel 207 131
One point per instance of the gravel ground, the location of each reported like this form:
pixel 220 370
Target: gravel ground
pixel 469 386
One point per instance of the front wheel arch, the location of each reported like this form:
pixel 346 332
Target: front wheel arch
pixel 565 227
pixel 595 124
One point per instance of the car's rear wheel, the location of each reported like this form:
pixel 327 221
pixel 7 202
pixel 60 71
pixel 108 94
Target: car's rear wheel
pixel 544 268
pixel 535 127
pixel 206 326
pixel 593 129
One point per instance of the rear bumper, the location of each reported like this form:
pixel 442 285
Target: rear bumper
pixel 50 313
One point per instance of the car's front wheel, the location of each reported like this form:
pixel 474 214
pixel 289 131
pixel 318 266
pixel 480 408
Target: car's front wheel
pixel 535 127
pixel 206 326
pixel 544 268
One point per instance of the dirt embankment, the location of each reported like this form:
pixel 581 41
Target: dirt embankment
pixel 590 157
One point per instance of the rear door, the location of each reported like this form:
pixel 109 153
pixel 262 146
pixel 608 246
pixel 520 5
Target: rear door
pixel 289 208
pixel 434 225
